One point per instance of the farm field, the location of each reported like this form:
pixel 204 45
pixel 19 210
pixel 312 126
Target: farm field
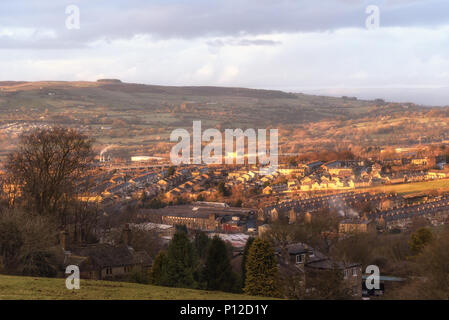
pixel 410 188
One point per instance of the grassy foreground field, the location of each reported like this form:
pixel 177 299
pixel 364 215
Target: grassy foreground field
pixel 28 288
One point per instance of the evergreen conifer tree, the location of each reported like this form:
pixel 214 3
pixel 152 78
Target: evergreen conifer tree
pixel 158 273
pixel 181 262
pixel 245 258
pixel 218 272
pixel 261 270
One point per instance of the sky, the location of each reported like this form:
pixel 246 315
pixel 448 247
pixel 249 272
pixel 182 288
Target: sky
pixel 292 45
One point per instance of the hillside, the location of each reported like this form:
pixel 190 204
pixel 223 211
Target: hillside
pixel 137 119
pixel 118 85
pixel 27 288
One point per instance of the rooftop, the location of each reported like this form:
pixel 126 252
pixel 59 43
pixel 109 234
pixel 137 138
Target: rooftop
pixel 202 210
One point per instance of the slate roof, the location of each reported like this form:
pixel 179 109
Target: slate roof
pixel 316 259
pixel 106 255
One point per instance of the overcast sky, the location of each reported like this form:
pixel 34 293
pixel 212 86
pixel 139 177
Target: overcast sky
pixel 292 45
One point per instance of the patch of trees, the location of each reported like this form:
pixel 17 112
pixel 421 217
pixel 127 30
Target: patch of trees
pixel 152 203
pixel 420 239
pixel 223 190
pixel 26 243
pixel 428 278
pixel 46 176
pixel 201 264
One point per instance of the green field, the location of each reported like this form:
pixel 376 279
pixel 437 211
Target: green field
pixel 28 288
pixel 409 188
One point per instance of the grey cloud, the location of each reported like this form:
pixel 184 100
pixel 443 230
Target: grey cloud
pixel 242 42
pixel 121 19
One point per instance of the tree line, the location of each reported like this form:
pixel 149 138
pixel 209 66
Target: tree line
pixel 205 263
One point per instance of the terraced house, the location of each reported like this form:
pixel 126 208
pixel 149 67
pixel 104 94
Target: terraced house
pixel 306 262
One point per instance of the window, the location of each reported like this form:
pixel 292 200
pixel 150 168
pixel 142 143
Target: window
pixel 345 274
pixel 354 272
pixel 300 258
pixel 108 270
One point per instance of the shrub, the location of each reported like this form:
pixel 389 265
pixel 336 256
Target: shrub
pixel 39 264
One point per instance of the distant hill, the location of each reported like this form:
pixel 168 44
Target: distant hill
pixel 138 118
pixel 202 91
pixel 109 81
pixel 30 288
pixel 118 85
pixel 240 106
pixel 11 83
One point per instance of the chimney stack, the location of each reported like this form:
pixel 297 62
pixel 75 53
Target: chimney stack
pixel 127 235
pixel 64 240
pixel 292 216
pixel 308 217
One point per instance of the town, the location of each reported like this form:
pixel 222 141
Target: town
pixel 223 158
pixel 138 206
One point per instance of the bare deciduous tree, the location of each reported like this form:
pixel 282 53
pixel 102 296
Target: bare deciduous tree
pixel 47 167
